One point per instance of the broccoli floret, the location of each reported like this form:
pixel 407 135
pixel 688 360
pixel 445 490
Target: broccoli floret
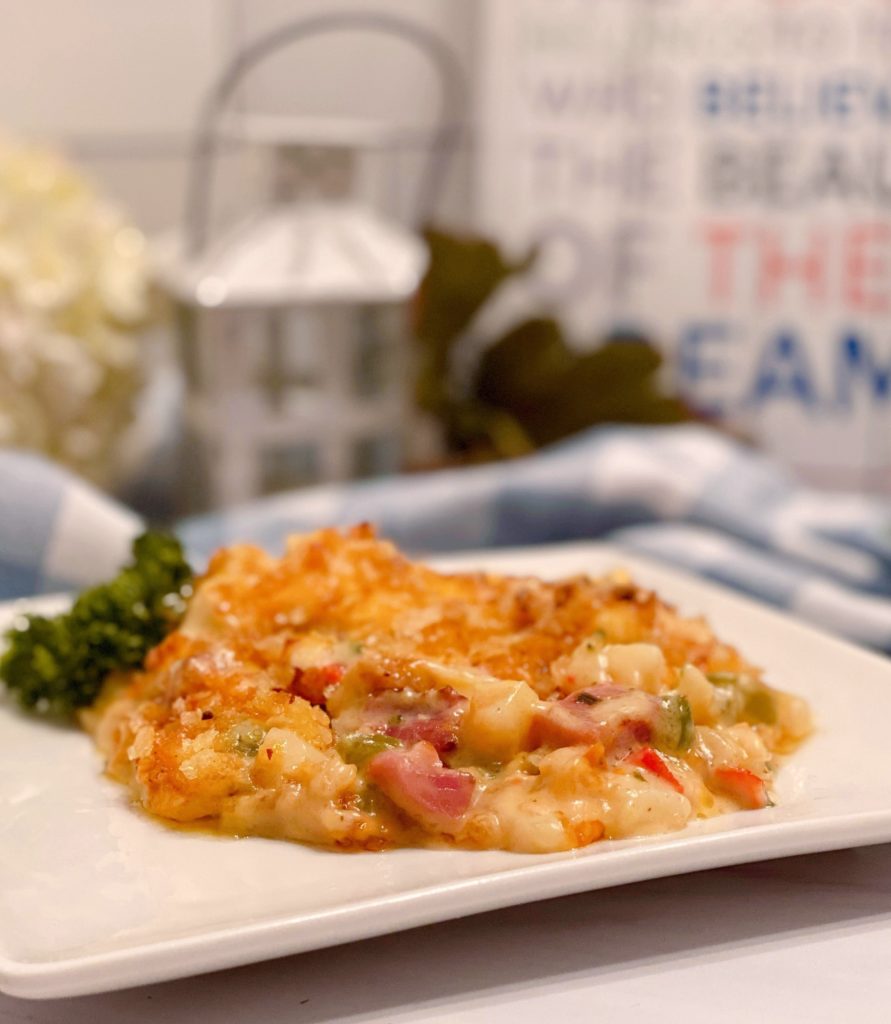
pixel 56 665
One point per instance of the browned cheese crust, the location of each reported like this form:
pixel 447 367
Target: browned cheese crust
pixel 345 695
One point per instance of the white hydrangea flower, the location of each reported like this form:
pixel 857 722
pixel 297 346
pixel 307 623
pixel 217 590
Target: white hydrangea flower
pixel 73 295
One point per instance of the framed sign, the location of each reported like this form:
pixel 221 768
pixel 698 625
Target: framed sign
pixel 716 175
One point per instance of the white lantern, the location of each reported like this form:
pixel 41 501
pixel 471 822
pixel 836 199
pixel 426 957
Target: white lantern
pixel 281 315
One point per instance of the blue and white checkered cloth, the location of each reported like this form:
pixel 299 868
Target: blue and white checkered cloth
pixel 686 495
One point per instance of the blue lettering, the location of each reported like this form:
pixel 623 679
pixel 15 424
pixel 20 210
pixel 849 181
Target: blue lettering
pixel 856 361
pixel 783 371
pixel 883 103
pixel 697 364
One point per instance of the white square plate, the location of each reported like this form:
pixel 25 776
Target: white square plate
pixel 95 896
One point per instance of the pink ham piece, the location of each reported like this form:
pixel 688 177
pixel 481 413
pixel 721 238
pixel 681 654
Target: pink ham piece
pixel 418 782
pixel 440 732
pixel 616 717
pixel 432 716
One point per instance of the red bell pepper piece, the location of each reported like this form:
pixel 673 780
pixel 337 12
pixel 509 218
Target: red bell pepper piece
pixel 745 787
pixel 650 761
pixel 312 684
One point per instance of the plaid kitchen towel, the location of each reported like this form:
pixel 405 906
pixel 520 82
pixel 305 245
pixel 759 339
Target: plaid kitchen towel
pixel 686 495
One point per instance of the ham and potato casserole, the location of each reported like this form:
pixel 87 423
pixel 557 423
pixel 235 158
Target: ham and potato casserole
pixel 344 695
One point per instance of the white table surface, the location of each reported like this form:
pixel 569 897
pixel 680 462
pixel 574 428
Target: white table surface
pixel 803 939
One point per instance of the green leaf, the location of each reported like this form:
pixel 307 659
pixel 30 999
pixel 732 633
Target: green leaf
pixel 483 432
pixel 529 387
pixel 462 274
pixel 518 371
pixel 554 393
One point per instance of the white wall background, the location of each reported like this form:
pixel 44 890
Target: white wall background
pixel 118 84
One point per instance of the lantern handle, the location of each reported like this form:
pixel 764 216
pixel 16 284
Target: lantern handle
pixel 452 103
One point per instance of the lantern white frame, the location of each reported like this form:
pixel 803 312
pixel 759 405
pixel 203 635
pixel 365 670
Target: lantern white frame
pixel 229 416
pixel 236 424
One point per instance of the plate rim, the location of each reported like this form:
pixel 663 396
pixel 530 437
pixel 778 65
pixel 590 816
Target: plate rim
pixel 230 945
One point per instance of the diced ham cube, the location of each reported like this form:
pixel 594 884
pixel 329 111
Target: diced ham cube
pixel 560 725
pixel 417 781
pixel 441 732
pixel 616 717
pixel 432 716
pixel 435 720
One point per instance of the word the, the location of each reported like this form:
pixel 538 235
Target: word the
pixel 847 267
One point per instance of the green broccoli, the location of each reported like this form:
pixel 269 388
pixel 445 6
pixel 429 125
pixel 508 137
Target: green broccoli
pixel 53 666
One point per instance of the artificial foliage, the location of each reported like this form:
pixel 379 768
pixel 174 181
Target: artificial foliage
pixel 527 386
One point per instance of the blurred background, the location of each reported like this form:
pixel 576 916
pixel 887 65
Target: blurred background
pixel 249 246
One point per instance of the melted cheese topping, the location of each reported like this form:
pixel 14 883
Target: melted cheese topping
pixel 346 696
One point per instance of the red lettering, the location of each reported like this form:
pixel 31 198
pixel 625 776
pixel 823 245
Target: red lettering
pixel 722 240
pixel 845 266
pixel 861 267
pixel 776 266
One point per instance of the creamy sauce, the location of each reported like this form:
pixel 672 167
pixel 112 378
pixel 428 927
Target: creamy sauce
pixel 347 697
